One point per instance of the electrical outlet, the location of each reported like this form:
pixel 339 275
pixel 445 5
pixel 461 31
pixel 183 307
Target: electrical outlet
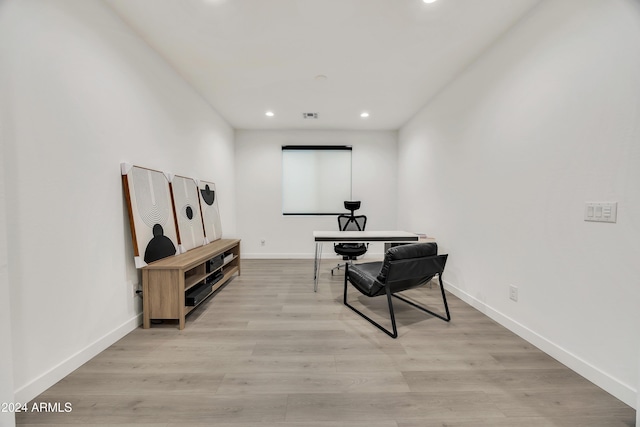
pixel 513 293
pixel 135 288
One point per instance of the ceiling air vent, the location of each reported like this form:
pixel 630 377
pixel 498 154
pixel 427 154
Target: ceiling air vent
pixel 309 115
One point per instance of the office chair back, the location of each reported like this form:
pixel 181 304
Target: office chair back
pixel 352 222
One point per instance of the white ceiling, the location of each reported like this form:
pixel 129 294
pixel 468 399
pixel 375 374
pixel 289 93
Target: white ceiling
pixel 387 57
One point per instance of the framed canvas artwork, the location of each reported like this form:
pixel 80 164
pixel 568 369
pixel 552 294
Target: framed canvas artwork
pixel 151 215
pixel 210 212
pixel 187 212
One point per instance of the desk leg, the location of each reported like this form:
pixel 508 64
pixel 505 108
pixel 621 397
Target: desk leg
pixel 316 266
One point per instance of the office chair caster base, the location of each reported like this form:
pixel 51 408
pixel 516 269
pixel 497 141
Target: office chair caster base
pixel 337 267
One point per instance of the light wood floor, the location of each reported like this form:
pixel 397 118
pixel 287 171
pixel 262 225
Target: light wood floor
pixel 268 351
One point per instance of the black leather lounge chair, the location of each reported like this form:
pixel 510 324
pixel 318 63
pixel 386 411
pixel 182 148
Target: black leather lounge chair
pixel 404 267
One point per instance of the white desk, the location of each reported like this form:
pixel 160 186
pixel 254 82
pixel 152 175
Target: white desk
pixel 356 236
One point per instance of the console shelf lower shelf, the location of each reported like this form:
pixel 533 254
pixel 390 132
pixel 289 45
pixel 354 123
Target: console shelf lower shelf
pixel 227 275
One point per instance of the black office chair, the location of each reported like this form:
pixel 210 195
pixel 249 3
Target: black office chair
pixel 404 267
pixel 351 222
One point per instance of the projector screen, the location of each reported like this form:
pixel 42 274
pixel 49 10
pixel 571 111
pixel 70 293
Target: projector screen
pixel 316 179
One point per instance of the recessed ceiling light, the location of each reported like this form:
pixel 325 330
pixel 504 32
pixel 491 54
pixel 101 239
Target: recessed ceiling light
pixel 269 114
pixel 321 78
pixel 429 1
pixel 364 115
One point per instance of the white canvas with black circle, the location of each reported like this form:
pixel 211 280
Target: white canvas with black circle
pixel 210 212
pixel 187 211
pixel 151 214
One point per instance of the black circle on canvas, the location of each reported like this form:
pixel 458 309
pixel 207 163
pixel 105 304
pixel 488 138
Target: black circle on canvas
pixel 159 247
pixel 208 195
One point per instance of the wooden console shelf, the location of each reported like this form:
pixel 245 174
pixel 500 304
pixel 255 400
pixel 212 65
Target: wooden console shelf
pixel 165 281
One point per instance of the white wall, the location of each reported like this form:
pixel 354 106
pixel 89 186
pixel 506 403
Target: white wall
pixel 259 184
pixel 7 419
pixel 83 93
pixel 498 167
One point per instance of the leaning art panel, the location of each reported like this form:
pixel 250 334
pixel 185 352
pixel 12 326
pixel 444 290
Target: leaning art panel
pixel 187 211
pixel 153 227
pixel 210 212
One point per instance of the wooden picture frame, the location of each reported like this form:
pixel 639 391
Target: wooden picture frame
pixel 210 212
pixel 151 214
pixel 186 204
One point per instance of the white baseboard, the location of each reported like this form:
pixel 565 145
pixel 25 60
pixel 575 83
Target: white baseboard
pixel 58 372
pixel 245 255
pixel 326 257
pixel 619 390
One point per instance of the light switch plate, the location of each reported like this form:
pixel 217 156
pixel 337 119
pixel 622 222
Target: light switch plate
pixel 601 211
